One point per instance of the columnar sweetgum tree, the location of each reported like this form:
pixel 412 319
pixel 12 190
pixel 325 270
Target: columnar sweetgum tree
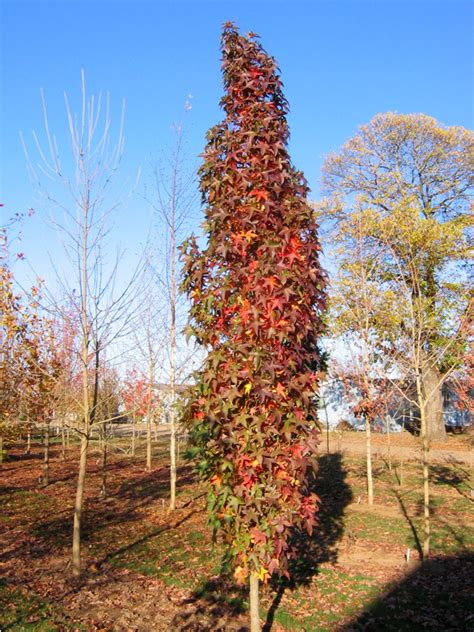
pixel 257 294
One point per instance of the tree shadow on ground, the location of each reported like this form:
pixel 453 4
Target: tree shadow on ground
pixel 454 476
pixel 403 508
pixel 99 575
pixel 124 505
pixel 219 604
pixel 329 483
pixel 436 596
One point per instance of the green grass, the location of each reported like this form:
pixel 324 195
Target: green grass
pixel 20 610
pixel 184 556
pixel 24 507
pixel 169 556
pixel 303 609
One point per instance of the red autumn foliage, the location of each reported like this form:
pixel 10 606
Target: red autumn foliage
pixel 257 294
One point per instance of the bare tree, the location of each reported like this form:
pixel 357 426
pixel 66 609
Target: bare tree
pixel 173 197
pixel 79 190
pixel 360 312
pixel 149 340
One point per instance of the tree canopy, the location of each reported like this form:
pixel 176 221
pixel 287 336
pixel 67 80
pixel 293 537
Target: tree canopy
pixel 406 180
pixel 257 292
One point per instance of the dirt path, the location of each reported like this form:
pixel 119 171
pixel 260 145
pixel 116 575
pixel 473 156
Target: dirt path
pixel 455 451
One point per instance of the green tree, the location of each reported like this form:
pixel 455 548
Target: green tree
pixel 257 293
pixel 412 164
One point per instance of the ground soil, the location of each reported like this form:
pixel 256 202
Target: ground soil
pixel 35 552
pixel 456 449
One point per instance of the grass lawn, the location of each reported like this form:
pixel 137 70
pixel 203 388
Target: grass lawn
pixel 147 569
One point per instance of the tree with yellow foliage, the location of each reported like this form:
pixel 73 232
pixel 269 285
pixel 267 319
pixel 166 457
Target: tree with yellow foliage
pixel 412 178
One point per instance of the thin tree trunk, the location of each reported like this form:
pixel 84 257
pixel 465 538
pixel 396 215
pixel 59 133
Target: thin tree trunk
pixel 426 488
pixel 151 378
pixel 148 443
pixel 426 467
pixel 1 450
pixel 172 352
pixel 173 463
pixel 133 436
pixel 76 538
pixel 370 484
pixel 389 451
pixel 426 499
pixel 45 476
pixel 63 440
pixel 103 484
pixel 401 467
pixel 254 604
pixel 327 425
pixel 28 442
pixel 86 412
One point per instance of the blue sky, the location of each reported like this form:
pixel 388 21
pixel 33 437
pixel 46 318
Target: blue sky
pixel 341 62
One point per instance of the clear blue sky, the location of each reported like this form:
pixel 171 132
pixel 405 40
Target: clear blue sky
pixel 342 61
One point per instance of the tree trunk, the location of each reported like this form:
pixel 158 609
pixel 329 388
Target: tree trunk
pixel 422 401
pixel 432 387
pixel 370 484
pixel 400 478
pixel 45 476
pixel 327 424
pixel 103 484
pixel 63 440
pixel 426 485
pixel 28 442
pixel 148 444
pixel 254 604
pixel 1 450
pixel 389 451
pixel 426 498
pixel 172 349
pixel 76 537
pixel 173 462
pixel 133 436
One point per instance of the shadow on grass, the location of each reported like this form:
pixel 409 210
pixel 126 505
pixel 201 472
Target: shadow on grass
pixel 219 601
pixel 143 540
pixel 94 575
pixel 329 483
pixel 212 606
pixel 124 505
pixel 411 524
pixel 456 477
pixel 436 596
pixel 459 534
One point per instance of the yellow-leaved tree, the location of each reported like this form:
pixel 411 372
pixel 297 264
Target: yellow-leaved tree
pixel 412 177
